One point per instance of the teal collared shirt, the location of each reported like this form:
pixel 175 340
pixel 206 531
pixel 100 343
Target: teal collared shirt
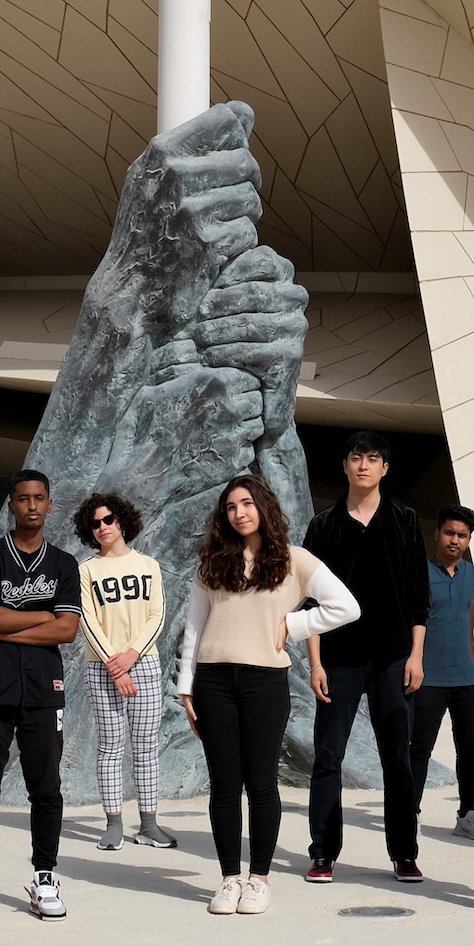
pixel 447 659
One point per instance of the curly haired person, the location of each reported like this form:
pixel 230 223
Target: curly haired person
pixel 123 612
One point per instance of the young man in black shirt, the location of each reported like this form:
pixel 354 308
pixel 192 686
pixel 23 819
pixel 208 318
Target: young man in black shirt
pixel 374 544
pixel 39 609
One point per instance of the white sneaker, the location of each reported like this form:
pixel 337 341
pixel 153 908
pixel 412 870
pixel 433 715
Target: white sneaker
pixel 465 826
pixel 227 896
pixel 256 897
pixel 46 902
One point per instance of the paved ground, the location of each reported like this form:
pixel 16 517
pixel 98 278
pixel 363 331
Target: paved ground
pixel 141 895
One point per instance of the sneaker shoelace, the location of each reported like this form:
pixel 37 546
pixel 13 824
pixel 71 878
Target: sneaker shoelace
pixel 256 886
pixel 227 886
pixel 47 891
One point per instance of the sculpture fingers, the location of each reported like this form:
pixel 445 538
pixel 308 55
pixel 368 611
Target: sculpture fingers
pixel 285 329
pixel 250 359
pixel 222 127
pixel 244 113
pixel 220 204
pixel 260 263
pixel 278 375
pixel 231 238
pixel 255 296
pixel 216 169
pixel 171 356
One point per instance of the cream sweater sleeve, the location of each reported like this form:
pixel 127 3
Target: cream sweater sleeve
pixel 198 612
pixel 336 606
pixel 90 619
pixel 153 626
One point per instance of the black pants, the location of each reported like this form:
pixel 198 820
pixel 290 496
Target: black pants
pixel 391 717
pixel 431 704
pixel 40 741
pixel 242 712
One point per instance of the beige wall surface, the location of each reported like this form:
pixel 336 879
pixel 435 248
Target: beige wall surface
pixel 36 325
pixel 430 66
pixel 373 363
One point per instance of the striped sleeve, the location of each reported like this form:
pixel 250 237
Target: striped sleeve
pixel 91 618
pixel 68 595
pixel 154 623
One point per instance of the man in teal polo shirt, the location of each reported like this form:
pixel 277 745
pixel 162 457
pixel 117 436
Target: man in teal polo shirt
pixel 448 663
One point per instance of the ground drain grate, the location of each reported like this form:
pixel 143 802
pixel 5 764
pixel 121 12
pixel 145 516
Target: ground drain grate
pixel 376 911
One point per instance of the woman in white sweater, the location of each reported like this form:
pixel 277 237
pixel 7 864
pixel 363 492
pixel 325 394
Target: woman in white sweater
pixel 123 611
pixel 234 666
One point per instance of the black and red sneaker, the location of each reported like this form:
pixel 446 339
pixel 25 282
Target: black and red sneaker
pixel 407 870
pixel 320 871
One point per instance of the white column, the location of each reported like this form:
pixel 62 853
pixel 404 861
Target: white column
pixel 183 61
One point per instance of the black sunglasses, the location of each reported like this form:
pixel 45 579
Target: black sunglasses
pixel 108 520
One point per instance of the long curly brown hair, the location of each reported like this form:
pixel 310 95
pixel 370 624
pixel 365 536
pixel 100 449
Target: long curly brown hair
pixel 222 561
pixel 128 517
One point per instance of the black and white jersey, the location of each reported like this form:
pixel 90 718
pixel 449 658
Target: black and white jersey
pixel 45 580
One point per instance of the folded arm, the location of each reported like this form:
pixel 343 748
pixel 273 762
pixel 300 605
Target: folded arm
pixel 13 621
pixel 60 630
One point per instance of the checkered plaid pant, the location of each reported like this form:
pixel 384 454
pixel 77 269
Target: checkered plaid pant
pixel 143 715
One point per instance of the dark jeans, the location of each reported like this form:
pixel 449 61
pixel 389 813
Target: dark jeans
pixel 391 717
pixel 431 704
pixel 242 712
pixel 40 743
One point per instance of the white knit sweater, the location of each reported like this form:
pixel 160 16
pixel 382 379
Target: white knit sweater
pixel 242 627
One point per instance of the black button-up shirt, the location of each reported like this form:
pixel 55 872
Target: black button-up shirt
pixel 384 565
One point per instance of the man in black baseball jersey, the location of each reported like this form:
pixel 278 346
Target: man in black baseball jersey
pixel 39 609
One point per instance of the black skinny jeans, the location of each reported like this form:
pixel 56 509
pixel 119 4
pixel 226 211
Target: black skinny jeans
pixel 40 741
pixel 241 713
pixel 391 717
pixel 431 704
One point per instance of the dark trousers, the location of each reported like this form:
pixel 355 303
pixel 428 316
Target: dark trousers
pixel 391 717
pixel 242 712
pixel 40 743
pixel 431 704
